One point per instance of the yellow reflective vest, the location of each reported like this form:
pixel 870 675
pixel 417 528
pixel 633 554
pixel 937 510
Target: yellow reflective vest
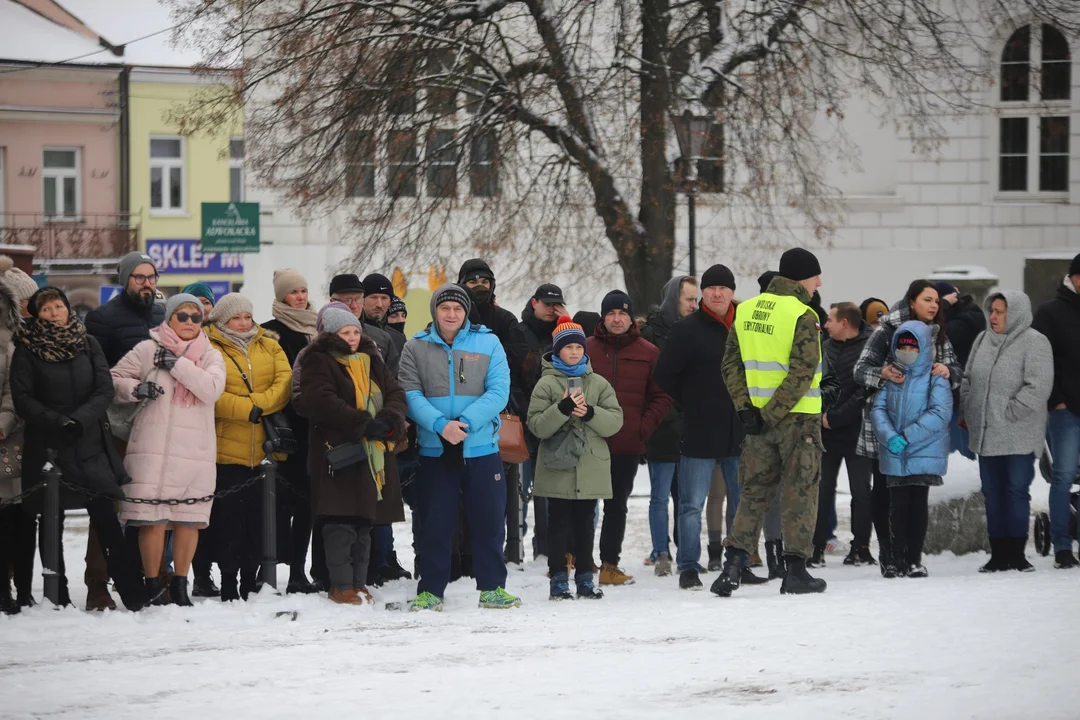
pixel 766 329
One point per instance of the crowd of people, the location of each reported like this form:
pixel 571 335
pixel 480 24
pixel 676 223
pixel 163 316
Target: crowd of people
pixel 159 413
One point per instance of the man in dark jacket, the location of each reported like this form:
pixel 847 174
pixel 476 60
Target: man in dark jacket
pixel 378 294
pixel 964 320
pixel 477 277
pixel 841 424
pixel 712 434
pixel 677 300
pixel 1058 319
pixel 538 321
pixel 118 326
pixel 349 290
pixel 619 354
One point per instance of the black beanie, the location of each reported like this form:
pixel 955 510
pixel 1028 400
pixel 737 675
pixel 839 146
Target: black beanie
pixel 766 278
pixel 33 305
pixel 376 284
pixel 718 275
pixel 799 264
pixel 1074 266
pixel 616 300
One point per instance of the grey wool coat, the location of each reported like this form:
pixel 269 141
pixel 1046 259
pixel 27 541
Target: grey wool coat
pixel 591 479
pixel 1007 383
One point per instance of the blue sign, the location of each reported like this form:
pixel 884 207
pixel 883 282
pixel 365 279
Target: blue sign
pixel 107 293
pixel 186 256
pixel 220 289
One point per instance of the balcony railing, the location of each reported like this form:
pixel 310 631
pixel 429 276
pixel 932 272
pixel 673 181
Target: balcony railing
pixel 91 235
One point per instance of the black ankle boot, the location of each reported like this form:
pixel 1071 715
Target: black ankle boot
pixel 731 576
pixel 774 556
pixel 178 591
pixel 204 587
pixel 230 590
pixel 716 556
pixel 798 581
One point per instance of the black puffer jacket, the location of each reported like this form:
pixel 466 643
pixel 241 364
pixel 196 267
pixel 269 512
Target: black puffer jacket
pixel 846 413
pixel 47 395
pixel 963 323
pixel 121 324
pixel 1059 321
pixel 292 342
pixel 689 370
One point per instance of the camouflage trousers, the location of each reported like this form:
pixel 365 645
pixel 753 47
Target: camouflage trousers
pixel 787 456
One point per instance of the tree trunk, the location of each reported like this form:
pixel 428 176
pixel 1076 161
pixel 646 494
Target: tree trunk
pixel 647 263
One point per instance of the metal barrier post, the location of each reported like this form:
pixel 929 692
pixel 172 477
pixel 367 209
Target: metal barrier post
pixel 50 531
pixel 514 550
pixel 268 573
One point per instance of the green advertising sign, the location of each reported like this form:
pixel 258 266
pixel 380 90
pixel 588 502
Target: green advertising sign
pixel 231 227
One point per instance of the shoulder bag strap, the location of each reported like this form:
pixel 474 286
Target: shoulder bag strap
pixel 243 374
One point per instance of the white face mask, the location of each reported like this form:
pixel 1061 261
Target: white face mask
pixel 907 358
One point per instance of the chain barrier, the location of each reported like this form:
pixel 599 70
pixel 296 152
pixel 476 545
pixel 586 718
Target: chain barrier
pixel 172 502
pixel 23 495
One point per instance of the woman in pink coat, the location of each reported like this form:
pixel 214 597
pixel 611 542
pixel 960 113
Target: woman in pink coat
pixel 178 376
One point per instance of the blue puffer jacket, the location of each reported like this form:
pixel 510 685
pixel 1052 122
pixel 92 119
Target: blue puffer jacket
pixel 920 409
pixel 469 382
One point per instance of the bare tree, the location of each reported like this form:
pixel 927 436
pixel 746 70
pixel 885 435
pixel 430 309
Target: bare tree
pixel 555 113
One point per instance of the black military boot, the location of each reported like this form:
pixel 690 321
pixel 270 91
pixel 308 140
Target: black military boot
pixel 731 576
pixel 798 581
pixel 774 556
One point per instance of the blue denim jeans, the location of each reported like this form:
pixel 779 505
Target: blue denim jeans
pixel 695 478
pixel 1063 434
pixel 1006 481
pixel 660 477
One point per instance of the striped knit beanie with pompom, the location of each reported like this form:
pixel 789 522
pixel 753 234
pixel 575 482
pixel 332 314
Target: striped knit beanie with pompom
pixel 566 332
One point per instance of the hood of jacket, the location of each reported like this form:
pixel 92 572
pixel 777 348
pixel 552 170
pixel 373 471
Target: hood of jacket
pixel 668 308
pixel 1067 292
pixel 924 334
pixel 470 266
pixel 1019 312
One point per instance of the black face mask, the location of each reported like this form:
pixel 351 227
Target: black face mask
pixel 399 326
pixel 480 295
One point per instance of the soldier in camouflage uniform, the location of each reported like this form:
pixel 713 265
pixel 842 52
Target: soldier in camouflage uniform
pixel 783 444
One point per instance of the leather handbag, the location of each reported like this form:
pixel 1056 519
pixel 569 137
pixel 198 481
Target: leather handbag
pixel 512 447
pixel 345 455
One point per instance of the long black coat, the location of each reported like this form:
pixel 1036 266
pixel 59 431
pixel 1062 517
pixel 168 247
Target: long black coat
pixel 329 399
pixel 688 370
pixel 846 414
pixel 1059 320
pixel 46 396
pixel 292 342
pixel 121 324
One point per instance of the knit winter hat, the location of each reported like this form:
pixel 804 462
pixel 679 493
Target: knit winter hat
pixel 945 288
pixel 875 310
pixel 397 305
pixel 129 262
pixel 718 275
pixel 799 264
pixel 765 278
pixel 36 300
pixel 18 283
pixel 177 300
pixel 201 290
pixel 907 341
pixel 376 284
pixel 450 293
pixel 333 319
pixel 285 281
pixel 566 332
pixel 616 300
pixel 1074 266
pixel 229 307
pixel 333 304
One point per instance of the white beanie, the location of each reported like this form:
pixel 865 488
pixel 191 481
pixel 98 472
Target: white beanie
pixel 285 281
pixel 229 307
pixel 18 283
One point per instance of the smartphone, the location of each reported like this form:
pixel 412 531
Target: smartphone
pixel 574 385
pixel 900 369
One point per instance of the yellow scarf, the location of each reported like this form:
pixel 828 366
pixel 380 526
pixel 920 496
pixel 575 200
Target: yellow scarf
pixel 369 398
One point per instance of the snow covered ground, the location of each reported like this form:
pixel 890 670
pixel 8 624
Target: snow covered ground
pixel 956 645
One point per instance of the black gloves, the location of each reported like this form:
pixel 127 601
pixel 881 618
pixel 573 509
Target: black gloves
pixel 378 429
pixel 147 390
pixel 589 412
pixel 256 415
pixel 567 405
pixel 73 429
pixel 164 359
pixel 753 423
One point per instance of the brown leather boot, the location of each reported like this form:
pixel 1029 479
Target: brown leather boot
pixel 346 597
pixel 98 598
pixel 363 594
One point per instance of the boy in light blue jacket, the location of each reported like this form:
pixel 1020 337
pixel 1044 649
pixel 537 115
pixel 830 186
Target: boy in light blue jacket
pixel 911 421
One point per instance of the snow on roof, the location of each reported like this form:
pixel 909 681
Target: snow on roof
pixel 123 21
pixel 1059 255
pixel 963 272
pixel 26 36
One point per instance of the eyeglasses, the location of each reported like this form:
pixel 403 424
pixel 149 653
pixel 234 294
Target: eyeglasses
pixel 353 302
pixel 193 317
pixel 144 279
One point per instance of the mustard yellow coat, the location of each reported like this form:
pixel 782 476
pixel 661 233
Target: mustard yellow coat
pixel 239 441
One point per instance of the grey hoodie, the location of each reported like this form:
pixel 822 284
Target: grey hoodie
pixel 1007 383
pixel 669 299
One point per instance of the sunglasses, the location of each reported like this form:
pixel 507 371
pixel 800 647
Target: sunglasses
pixel 193 317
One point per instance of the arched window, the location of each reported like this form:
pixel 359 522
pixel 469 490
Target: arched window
pixel 1036 85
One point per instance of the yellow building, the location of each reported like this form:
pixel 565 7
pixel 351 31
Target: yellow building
pixel 172 175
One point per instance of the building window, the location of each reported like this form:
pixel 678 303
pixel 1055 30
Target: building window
pixel 1034 127
pixel 61 183
pixel 402 77
pixel 441 95
pixel 360 167
pixel 442 159
pixel 401 173
pixel 236 169
pixel 167 174
pixel 483 167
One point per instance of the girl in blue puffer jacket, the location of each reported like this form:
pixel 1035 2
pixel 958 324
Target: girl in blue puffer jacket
pixel 911 421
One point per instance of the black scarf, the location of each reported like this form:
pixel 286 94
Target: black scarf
pixel 52 342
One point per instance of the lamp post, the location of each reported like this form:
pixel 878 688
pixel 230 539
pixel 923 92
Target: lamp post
pixel 691 131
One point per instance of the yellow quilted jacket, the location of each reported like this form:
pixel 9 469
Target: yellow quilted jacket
pixel 239 442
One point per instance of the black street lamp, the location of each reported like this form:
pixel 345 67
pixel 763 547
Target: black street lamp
pixel 691 131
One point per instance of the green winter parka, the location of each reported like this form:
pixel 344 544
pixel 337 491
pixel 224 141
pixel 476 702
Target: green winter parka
pixel 591 479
